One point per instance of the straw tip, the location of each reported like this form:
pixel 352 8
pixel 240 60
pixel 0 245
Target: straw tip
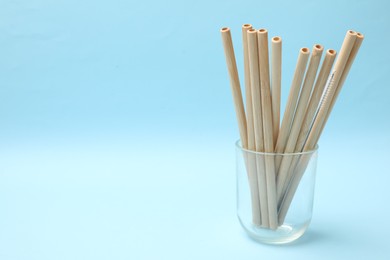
pixel 276 39
pixel 252 30
pixel 225 29
pixel 331 52
pixel 305 50
pixel 351 32
pixel 318 47
pixel 262 30
pixel 247 26
pixel 360 35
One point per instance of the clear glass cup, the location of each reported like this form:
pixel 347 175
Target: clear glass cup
pixel 275 193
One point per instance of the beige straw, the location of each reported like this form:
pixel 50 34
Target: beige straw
pixel 291 103
pixel 235 84
pixel 251 158
pixel 258 124
pixel 276 83
pixel 284 174
pixel 248 91
pixel 267 126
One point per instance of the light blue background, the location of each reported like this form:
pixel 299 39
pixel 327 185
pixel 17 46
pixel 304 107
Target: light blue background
pixel 117 130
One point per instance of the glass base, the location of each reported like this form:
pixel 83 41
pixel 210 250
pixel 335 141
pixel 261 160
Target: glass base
pixel 284 234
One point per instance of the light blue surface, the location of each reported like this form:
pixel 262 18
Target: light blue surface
pixel 117 130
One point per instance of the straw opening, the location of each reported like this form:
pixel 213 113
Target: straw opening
pixel 305 50
pixel 225 29
pixel 331 52
pixel 262 30
pixel 276 39
pixel 247 25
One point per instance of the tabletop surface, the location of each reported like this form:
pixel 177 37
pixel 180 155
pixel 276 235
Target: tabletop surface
pixel 122 201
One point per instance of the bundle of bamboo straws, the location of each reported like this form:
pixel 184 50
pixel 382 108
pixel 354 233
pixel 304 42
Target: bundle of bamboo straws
pixel 309 104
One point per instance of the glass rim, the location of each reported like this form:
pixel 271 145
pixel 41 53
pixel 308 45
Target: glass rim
pixel 238 145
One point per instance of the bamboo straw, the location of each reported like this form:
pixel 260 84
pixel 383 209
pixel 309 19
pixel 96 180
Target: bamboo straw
pixel 258 123
pixel 315 98
pixel 322 114
pixel 291 103
pixel 235 84
pixel 262 35
pixel 251 159
pixel 276 83
pixel 284 174
pixel 248 92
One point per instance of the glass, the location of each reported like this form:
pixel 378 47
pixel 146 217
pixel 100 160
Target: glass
pixel 275 194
